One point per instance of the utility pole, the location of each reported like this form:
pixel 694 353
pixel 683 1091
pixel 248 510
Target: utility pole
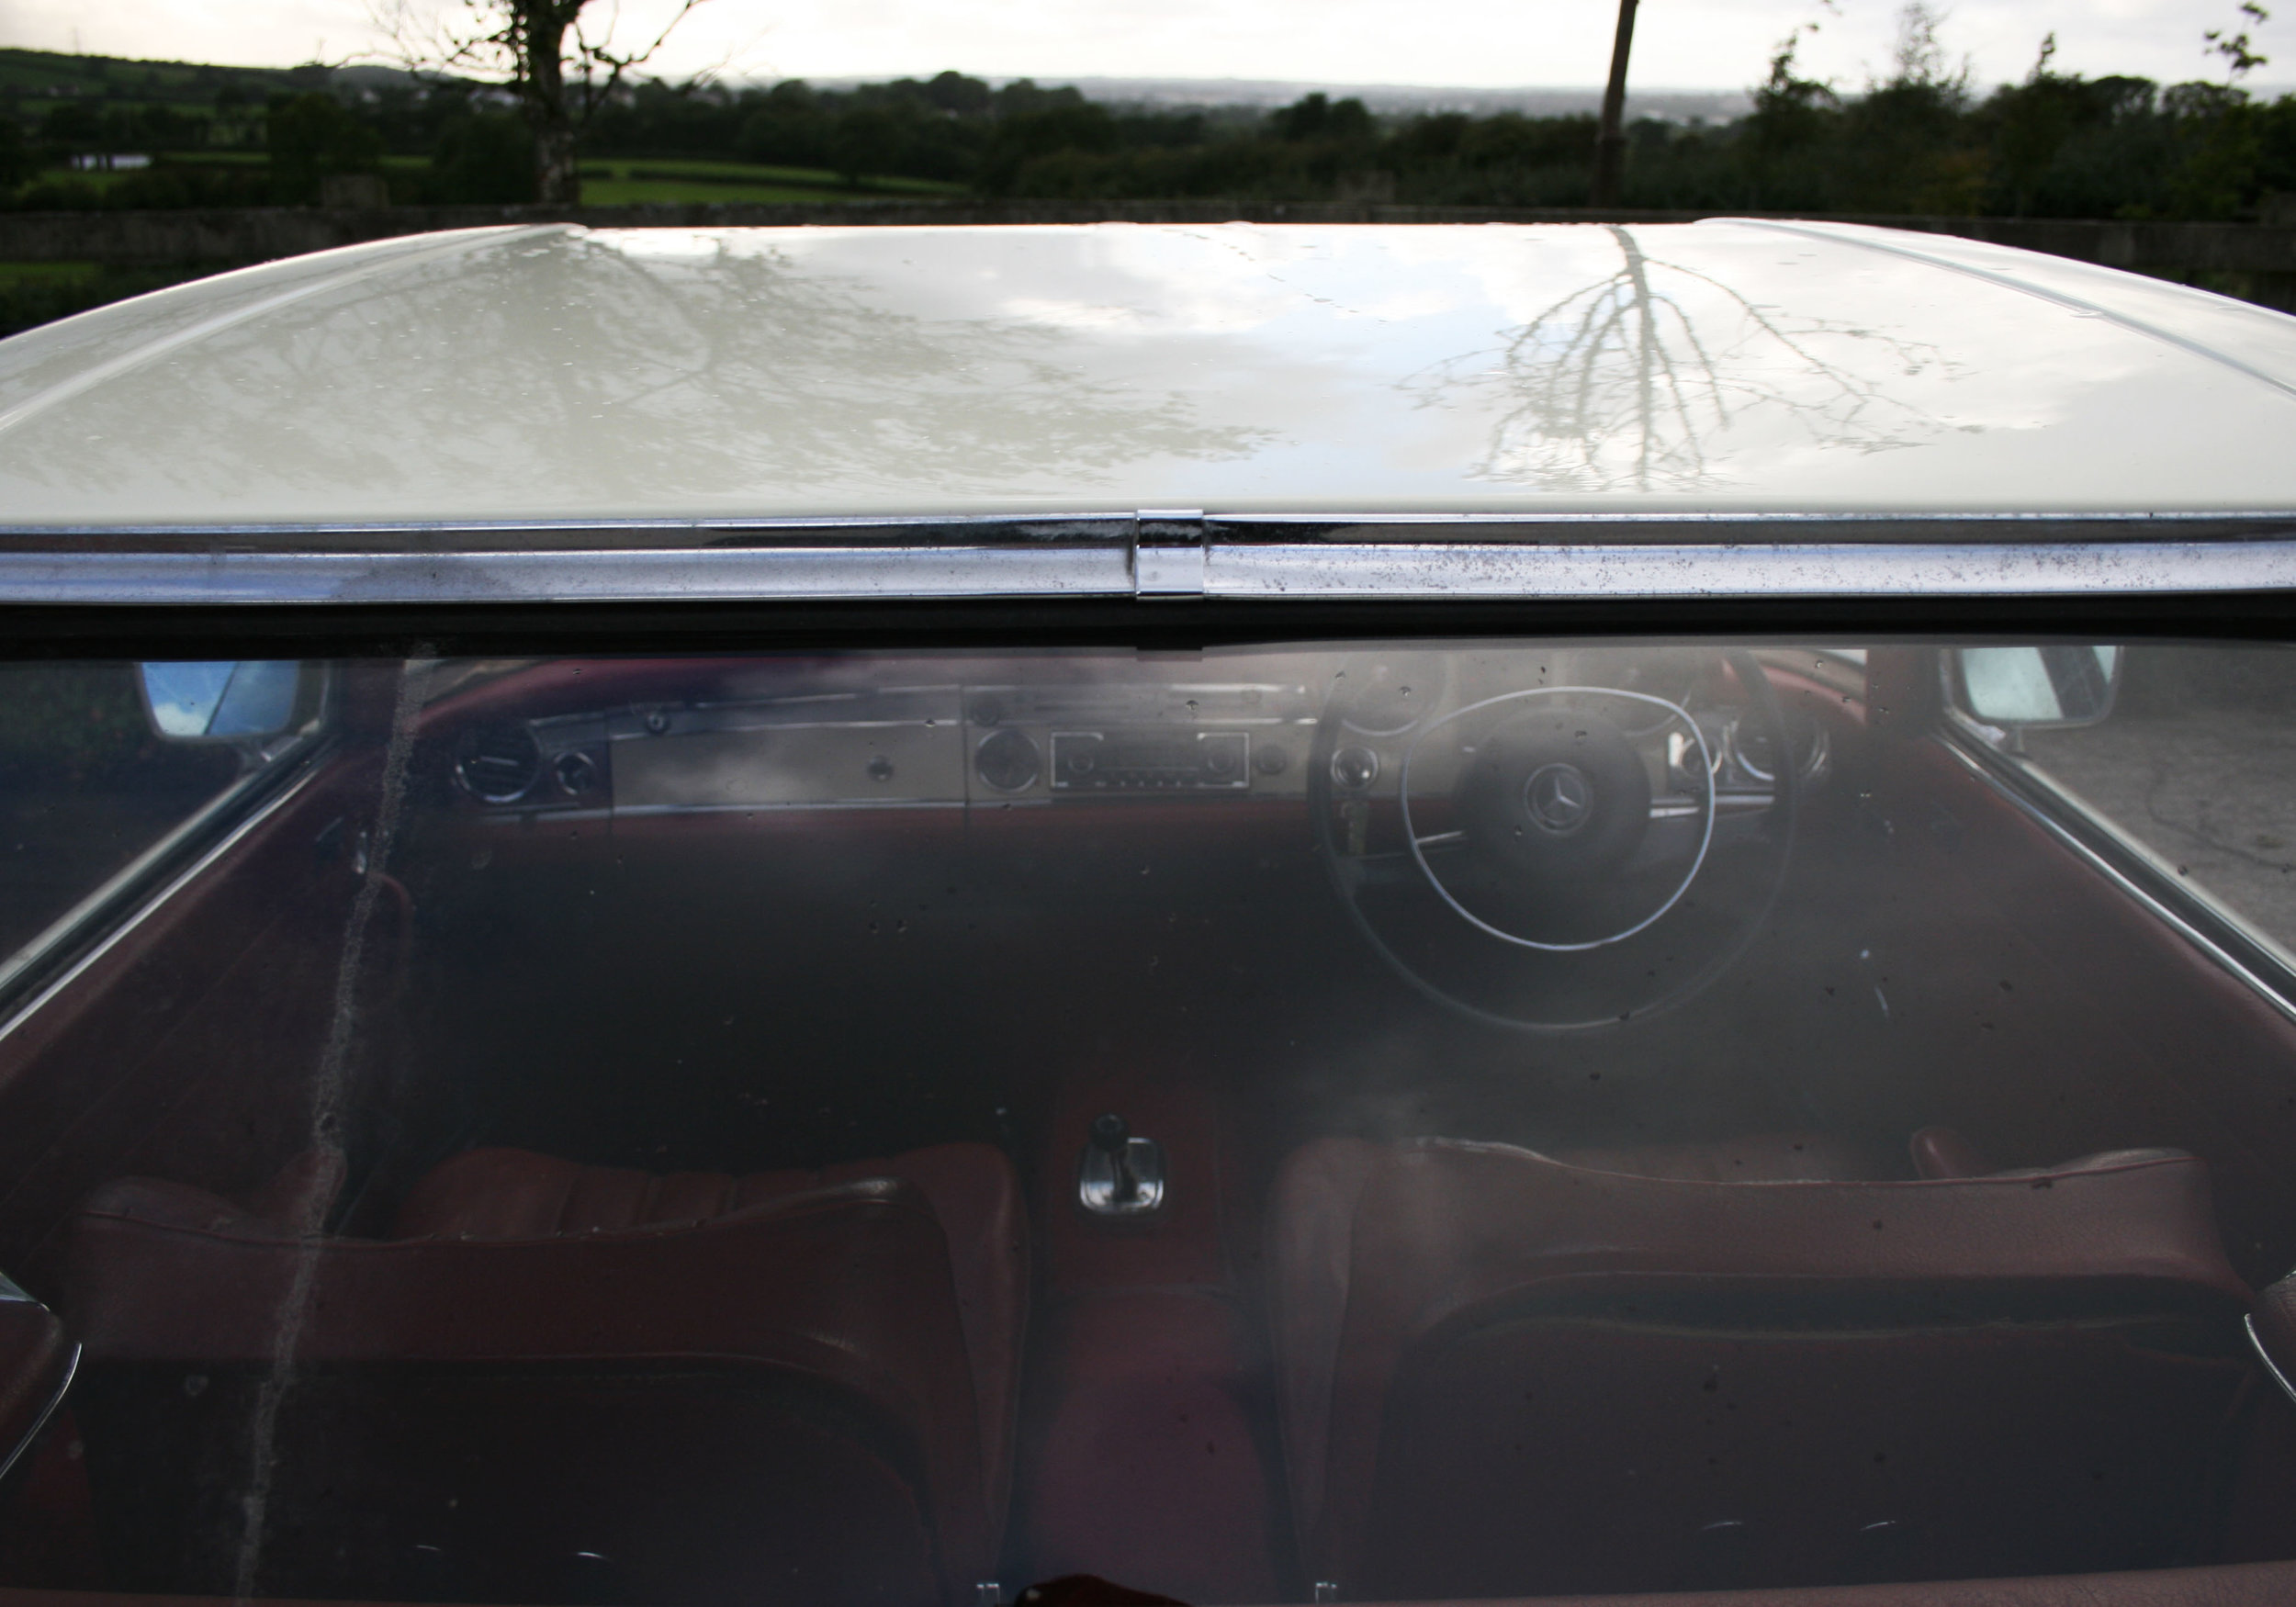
pixel 1610 142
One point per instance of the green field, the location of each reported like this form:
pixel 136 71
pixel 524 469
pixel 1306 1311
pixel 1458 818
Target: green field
pixel 638 181
pixel 95 178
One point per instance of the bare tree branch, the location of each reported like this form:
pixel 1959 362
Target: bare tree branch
pixel 538 49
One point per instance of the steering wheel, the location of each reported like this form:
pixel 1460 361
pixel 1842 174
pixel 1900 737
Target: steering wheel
pixel 1555 854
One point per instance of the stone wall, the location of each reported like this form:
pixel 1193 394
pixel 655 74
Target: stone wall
pixel 2256 260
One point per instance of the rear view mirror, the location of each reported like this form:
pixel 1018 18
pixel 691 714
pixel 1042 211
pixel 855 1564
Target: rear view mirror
pixel 2057 685
pixel 240 700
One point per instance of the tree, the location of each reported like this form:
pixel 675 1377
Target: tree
pixel 2240 56
pixel 312 137
pixel 487 158
pixel 1318 116
pixel 1791 116
pixel 866 144
pixel 1610 139
pixel 539 50
pixel 1908 143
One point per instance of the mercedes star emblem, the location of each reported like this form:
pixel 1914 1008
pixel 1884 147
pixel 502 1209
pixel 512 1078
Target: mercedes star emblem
pixel 1559 798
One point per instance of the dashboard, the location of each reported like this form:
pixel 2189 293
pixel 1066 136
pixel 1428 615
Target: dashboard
pixel 947 745
pixel 1082 731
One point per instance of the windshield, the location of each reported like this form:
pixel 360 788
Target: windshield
pixel 1363 1121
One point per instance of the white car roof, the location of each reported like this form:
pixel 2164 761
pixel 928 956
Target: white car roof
pixel 560 373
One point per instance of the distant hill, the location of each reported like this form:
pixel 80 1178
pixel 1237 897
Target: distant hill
pixel 1680 106
pixel 31 79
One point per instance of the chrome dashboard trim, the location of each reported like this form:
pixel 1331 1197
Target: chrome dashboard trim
pixel 771 806
pixel 1318 570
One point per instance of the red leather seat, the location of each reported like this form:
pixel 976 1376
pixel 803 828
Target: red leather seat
pixel 1502 1373
pixel 565 1383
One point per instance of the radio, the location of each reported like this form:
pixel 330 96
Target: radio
pixel 1152 759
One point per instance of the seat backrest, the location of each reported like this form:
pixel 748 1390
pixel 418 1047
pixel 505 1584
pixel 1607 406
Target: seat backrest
pixel 777 1399
pixel 1505 1375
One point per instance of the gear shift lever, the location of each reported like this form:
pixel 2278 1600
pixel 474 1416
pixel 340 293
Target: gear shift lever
pixel 1121 1175
pixel 1112 1137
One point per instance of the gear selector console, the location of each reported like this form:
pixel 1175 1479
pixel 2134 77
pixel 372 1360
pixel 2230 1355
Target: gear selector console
pixel 1120 1175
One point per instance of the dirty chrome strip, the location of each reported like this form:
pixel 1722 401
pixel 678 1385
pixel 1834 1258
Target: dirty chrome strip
pixel 1316 570
pixel 1582 527
pixel 1751 570
pixel 709 575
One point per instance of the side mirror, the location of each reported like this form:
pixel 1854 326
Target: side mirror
pixel 240 701
pixel 2030 687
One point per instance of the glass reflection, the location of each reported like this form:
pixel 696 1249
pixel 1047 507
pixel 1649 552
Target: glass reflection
pixel 1653 376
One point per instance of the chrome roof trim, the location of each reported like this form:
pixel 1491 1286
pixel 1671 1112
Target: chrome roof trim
pixel 1318 570
pixel 1325 572
pixel 682 575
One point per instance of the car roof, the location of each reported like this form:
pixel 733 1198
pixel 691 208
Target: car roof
pixel 560 373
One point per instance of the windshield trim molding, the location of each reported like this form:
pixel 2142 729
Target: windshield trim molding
pixel 1038 529
pixel 1215 569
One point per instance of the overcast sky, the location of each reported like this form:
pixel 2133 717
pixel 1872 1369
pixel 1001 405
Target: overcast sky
pixel 1720 44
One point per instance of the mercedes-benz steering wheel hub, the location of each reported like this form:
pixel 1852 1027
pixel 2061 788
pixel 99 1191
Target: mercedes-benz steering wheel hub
pixel 1558 799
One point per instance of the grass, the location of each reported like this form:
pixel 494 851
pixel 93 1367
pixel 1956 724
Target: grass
pixel 96 179
pixel 623 192
pixel 636 182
